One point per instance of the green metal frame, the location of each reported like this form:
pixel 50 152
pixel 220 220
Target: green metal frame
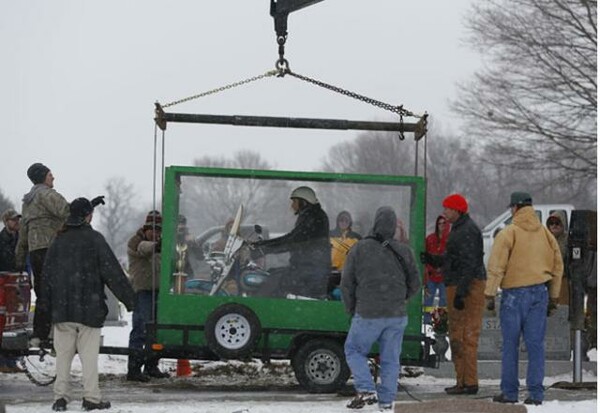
pixel 314 316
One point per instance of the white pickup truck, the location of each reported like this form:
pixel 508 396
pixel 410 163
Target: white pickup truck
pixel 543 211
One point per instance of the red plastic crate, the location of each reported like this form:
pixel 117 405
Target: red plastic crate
pixel 15 299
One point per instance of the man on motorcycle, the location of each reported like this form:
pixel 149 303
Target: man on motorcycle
pixel 309 248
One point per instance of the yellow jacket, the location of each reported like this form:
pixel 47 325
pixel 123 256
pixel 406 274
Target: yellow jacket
pixel 524 253
pixel 341 242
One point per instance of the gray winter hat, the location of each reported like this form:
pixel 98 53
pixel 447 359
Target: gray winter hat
pixel 520 199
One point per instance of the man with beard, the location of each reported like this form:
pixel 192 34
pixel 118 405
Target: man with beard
pixel 309 248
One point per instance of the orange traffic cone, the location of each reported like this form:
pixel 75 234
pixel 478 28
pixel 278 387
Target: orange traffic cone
pixel 183 367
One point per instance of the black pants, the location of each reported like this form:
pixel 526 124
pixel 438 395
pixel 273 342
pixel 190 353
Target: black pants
pixel 41 321
pixel 144 313
pixel 289 280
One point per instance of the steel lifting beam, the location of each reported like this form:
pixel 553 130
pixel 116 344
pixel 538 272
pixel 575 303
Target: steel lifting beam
pixel 281 122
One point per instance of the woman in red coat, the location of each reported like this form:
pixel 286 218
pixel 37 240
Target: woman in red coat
pixel 435 244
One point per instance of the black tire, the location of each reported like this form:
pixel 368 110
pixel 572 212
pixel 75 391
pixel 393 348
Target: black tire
pixel 320 366
pixel 232 331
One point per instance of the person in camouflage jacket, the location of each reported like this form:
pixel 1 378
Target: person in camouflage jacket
pixel 44 213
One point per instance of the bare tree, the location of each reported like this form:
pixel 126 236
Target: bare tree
pixel 380 152
pixel 4 203
pixel 534 104
pixel 452 166
pixel 118 218
pixel 209 202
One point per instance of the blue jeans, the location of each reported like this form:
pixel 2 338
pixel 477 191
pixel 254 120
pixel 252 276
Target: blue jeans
pixel 523 311
pixel 10 362
pixel 364 332
pixel 143 313
pixel 432 287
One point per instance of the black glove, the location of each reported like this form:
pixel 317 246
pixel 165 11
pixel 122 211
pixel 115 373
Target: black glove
pixel 434 260
pixel 459 302
pixel 552 306
pixel 97 201
pixel 157 246
pixel 491 303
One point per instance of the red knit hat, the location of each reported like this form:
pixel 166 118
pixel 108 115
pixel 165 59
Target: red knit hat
pixel 456 202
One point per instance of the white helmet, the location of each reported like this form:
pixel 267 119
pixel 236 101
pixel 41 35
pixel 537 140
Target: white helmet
pixel 306 193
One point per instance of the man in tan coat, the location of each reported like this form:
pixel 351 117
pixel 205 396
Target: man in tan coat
pixel 143 252
pixel 526 263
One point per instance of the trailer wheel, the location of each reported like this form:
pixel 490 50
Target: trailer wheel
pixel 232 331
pixel 320 366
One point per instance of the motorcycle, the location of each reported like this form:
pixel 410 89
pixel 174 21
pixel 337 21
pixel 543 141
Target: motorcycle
pixel 245 267
pixel 237 262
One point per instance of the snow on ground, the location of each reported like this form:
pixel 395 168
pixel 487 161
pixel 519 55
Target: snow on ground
pixel 304 406
pixel 187 401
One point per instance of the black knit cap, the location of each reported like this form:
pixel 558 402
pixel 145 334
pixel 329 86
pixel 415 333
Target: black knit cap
pixel 37 172
pixel 78 210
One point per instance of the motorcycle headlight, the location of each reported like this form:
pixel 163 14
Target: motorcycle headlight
pixel 254 279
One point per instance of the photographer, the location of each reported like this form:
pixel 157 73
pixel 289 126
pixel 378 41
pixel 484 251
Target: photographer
pixel 143 252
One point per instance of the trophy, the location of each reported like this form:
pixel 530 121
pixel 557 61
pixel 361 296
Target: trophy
pixel 180 275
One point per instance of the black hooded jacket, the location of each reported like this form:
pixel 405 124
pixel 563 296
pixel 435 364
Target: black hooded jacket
pixel 8 244
pixel 463 260
pixel 79 263
pixel 307 243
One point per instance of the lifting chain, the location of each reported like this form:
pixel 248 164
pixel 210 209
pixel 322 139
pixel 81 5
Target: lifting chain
pixel 399 110
pixel 222 88
pixel 386 106
pixel 283 68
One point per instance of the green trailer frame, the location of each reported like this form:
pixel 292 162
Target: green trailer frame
pixel 283 328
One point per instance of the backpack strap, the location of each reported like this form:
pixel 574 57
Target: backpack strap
pixel 386 244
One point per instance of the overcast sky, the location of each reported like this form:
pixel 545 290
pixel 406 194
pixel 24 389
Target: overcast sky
pixel 79 80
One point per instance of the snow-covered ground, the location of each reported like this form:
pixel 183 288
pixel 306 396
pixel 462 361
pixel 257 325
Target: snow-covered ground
pixel 588 406
pixel 190 395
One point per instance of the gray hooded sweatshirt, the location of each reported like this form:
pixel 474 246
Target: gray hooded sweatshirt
pixel 374 283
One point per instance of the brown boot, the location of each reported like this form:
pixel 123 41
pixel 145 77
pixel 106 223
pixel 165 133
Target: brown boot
pixel 461 390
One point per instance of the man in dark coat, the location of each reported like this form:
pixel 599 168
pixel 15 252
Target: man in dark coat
pixel 78 266
pixel 309 248
pixel 8 239
pixel 8 242
pixel 464 277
